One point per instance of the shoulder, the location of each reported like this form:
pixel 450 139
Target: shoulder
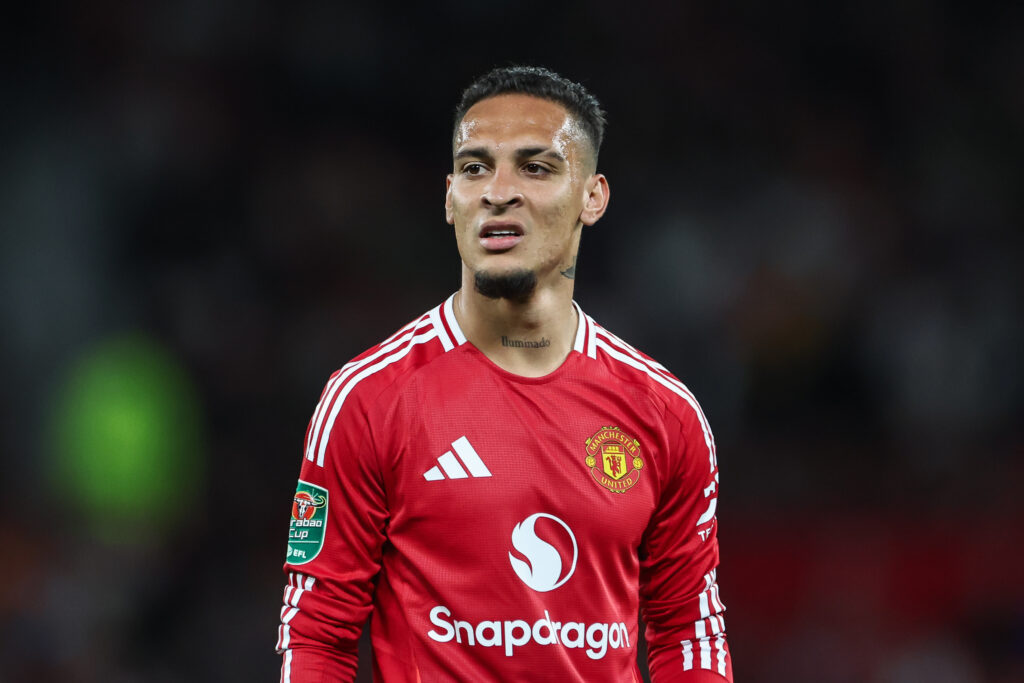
pixel 412 347
pixel 681 411
pixel 628 364
pixel 352 388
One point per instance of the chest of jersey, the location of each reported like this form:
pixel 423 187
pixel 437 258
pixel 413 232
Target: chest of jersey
pixel 541 489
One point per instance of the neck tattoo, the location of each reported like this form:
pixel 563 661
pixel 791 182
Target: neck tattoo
pixel 525 343
pixel 570 272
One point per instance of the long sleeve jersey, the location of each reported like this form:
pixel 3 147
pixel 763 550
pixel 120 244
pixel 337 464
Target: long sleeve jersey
pixel 504 528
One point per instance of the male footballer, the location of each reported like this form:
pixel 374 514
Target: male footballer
pixel 504 484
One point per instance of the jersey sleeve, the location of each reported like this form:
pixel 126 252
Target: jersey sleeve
pixel 679 595
pixel 331 568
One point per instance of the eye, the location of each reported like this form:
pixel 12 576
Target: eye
pixel 473 168
pixel 533 168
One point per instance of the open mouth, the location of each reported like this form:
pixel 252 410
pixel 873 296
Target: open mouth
pixel 499 233
pixel 500 236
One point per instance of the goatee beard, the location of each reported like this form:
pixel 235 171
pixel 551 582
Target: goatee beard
pixel 516 286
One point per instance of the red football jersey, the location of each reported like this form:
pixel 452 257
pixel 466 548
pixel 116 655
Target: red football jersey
pixel 504 528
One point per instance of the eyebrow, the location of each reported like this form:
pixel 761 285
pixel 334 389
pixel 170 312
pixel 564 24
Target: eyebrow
pixel 539 152
pixel 477 152
pixel 521 153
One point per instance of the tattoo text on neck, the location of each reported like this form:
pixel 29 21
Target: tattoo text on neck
pixel 525 343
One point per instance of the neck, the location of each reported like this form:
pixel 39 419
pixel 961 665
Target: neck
pixel 530 338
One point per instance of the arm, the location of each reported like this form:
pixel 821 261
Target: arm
pixel 331 566
pixel 678 572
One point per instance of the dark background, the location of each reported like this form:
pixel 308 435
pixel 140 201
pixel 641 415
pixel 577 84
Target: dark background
pixel 208 206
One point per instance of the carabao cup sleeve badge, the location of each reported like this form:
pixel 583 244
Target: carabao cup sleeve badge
pixel 308 523
pixel 614 459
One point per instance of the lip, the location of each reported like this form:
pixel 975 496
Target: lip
pixel 500 242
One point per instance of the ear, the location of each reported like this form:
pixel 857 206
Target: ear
pixel 595 202
pixel 449 212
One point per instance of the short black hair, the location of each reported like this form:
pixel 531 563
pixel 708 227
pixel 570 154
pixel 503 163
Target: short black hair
pixel 542 83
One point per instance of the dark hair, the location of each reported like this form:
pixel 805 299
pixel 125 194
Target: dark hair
pixel 542 83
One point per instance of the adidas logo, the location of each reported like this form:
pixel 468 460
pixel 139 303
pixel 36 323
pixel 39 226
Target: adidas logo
pixel 453 468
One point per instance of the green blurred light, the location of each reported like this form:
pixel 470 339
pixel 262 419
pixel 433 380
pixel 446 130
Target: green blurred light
pixel 128 438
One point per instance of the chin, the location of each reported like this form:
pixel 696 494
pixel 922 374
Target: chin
pixel 515 284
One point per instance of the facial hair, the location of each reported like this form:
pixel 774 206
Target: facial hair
pixel 516 286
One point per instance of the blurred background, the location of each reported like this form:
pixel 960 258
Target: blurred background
pixel 208 206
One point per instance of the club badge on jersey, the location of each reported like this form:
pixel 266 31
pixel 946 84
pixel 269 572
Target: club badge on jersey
pixel 308 523
pixel 614 459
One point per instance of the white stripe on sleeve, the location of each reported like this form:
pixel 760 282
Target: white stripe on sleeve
pixel 373 369
pixel 298 584
pixel 705 645
pixel 720 646
pixel 687 654
pixel 286 667
pixel 672 385
pixel 346 372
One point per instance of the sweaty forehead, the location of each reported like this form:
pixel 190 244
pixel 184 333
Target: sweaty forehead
pixel 517 120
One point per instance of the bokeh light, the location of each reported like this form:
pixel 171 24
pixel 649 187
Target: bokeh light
pixel 127 438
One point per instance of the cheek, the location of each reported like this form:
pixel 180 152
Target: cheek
pixel 464 195
pixel 559 223
pixel 459 205
pixel 561 213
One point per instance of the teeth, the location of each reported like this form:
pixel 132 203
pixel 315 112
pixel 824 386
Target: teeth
pixel 500 233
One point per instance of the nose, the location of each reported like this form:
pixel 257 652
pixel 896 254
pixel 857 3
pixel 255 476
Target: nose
pixel 502 191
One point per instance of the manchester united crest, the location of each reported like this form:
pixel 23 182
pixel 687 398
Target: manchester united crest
pixel 614 459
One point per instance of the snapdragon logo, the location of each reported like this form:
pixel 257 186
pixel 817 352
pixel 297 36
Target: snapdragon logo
pixel 596 638
pixel 543 569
